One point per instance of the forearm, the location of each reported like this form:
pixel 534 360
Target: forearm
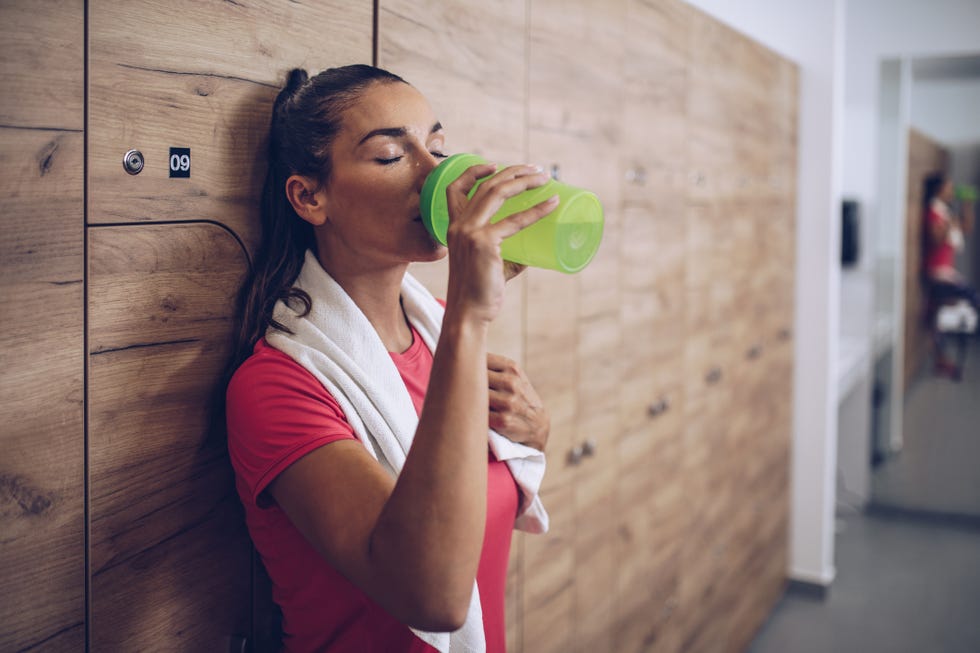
pixel 429 535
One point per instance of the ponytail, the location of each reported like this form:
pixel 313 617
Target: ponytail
pixel 306 117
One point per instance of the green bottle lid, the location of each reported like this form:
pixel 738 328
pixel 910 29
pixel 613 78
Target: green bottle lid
pixel 434 206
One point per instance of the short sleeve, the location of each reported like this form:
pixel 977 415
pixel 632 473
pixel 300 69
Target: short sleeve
pixel 277 412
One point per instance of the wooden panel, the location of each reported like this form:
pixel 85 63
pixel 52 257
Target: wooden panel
pixel 43 53
pixel 548 592
pixel 170 557
pixel 574 129
pixel 656 69
pixel 42 549
pixel 925 157
pixel 203 76
pixel 741 249
pixel 468 59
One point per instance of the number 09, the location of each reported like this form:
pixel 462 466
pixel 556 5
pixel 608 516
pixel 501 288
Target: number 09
pixel 180 162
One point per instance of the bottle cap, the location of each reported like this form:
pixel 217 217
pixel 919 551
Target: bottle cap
pixel 434 207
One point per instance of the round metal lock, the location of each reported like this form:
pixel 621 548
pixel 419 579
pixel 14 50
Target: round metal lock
pixel 133 162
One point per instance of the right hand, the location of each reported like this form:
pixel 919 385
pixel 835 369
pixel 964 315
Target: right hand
pixel 476 270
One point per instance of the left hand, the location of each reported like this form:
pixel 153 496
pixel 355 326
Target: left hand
pixel 516 410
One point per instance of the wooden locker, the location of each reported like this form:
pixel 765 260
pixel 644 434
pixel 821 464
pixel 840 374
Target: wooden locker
pixel 170 559
pixel 202 76
pixel 573 331
pixel 924 158
pixel 171 562
pixel 42 473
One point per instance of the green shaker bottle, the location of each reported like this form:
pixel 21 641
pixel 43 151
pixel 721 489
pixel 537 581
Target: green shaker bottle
pixel 565 240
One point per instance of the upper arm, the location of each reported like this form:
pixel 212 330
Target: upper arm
pixel 291 444
pixel 334 496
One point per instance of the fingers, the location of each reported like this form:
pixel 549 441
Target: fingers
pixel 514 223
pixel 498 363
pixel 465 182
pixel 492 193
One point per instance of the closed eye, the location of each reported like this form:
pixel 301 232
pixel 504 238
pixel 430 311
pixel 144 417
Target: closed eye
pixel 388 162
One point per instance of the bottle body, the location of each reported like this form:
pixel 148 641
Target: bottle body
pixel 565 240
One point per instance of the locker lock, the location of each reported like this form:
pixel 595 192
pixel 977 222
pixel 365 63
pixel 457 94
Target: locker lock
pixel 133 162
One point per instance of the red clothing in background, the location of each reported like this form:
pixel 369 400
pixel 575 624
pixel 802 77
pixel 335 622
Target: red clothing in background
pixel 938 256
pixel 277 413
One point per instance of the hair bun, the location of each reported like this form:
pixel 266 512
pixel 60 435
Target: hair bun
pixel 297 77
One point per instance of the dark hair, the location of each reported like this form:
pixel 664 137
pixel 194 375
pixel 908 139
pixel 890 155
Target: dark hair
pixel 305 120
pixel 931 187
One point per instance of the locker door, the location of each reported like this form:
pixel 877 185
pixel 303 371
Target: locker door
pixel 170 557
pixel 190 86
pixel 573 330
pixel 42 469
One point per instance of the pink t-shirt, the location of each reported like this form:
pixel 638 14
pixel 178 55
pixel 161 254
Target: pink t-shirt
pixel 941 256
pixel 277 413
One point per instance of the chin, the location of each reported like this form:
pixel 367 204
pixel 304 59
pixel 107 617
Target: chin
pixel 436 252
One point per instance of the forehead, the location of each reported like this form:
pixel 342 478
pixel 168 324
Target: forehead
pixel 384 105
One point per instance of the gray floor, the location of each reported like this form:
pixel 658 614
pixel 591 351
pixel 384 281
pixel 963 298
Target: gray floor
pixel 908 570
pixel 938 468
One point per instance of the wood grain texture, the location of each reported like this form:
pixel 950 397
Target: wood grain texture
pixel 573 328
pixel 170 557
pixel 42 474
pixel 41 67
pixel 468 59
pixel 925 157
pixel 200 75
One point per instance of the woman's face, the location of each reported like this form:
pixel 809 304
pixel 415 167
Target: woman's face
pixel 946 192
pixel 388 143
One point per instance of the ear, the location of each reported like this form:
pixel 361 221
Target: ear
pixel 307 198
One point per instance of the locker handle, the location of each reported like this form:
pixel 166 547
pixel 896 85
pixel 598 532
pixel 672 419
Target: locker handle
pixel 713 376
pixel 589 447
pixel 637 176
pixel 658 408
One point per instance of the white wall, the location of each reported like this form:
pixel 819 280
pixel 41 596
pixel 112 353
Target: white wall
pixel 898 31
pixel 812 35
pixel 948 110
pixel 892 29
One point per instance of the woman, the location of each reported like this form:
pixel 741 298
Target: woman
pixel 944 236
pixel 373 511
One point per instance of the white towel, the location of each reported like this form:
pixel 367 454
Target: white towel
pixel 340 347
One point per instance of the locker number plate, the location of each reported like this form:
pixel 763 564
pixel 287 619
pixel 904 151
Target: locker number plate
pixel 180 162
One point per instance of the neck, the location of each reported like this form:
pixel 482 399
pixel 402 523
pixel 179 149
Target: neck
pixel 377 292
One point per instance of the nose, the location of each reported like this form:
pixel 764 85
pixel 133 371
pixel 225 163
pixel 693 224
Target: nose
pixel 424 165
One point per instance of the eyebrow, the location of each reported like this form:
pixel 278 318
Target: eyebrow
pixel 396 132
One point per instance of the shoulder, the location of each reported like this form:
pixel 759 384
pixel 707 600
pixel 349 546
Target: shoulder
pixel 270 370
pixel 277 411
